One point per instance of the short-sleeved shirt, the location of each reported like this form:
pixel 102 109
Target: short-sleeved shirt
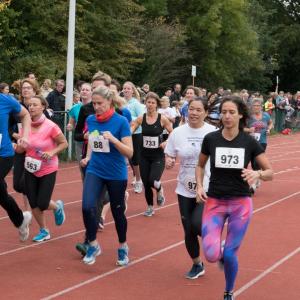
pixel 260 126
pixel 74 111
pixel 43 140
pixel 8 105
pixel 136 109
pixel 227 160
pixel 185 143
pixel 108 165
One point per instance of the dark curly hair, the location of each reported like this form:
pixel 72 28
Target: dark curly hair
pixel 242 109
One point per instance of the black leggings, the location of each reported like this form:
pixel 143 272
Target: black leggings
pixel 6 201
pixel 18 173
pixel 39 189
pixel 254 164
pixel 151 170
pixel 191 218
pixel 137 143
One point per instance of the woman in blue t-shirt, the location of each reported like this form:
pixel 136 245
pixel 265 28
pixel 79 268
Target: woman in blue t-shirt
pixel 259 126
pixel 109 143
pixel 9 105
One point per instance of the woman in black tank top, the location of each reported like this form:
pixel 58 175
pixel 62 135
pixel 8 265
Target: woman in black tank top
pixel 152 162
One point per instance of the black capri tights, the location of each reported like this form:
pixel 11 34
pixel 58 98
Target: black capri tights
pixel 191 218
pixel 151 171
pixel 39 189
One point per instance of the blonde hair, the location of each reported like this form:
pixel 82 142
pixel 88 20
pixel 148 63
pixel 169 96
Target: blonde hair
pixel 135 93
pixel 102 76
pixel 105 93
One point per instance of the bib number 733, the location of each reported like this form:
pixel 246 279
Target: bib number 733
pixel 230 158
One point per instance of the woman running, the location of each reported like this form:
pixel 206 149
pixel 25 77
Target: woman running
pixel 41 164
pixel 185 143
pixel 9 105
pixel 230 150
pixel 136 109
pixel 152 161
pixel 109 143
pixel 259 126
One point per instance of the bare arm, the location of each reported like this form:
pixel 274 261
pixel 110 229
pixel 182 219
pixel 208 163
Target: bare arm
pixel 266 174
pixel 61 144
pixel 201 194
pixel 136 123
pixel 26 123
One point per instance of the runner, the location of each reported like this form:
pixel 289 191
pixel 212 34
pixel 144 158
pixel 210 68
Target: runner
pixel 185 143
pixel 259 126
pixel 136 109
pixel 228 198
pixel 109 143
pixel 8 105
pixel 41 164
pixel 152 161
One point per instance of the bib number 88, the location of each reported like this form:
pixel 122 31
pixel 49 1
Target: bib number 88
pixel 98 145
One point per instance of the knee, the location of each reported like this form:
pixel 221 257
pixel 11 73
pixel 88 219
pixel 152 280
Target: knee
pixel 18 187
pixel 229 255
pixel 43 206
pixel 211 251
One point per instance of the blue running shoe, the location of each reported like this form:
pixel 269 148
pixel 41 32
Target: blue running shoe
pixel 123 258
pixel 196 271
pixel 43 235
pixel 92 252
pixel 82 248
pixel 59 213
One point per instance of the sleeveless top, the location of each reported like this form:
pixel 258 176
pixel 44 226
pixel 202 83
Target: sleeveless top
pixel 152 138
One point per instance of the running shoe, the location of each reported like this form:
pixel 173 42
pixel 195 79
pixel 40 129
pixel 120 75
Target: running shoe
pixel 59 213
pixel 24 228
pixel 82 248
pixel 138 187
pixel 228 296
pixel 123 259
pixel 126 201
pixel 160 197
pixel 101 224
pixel 196 271
pixel 92 252
pixel 149 212
pixel 43 235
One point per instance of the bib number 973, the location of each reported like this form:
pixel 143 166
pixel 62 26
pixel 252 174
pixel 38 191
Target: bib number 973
pixel 230 158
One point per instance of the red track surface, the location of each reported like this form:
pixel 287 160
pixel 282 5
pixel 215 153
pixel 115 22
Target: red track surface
pixel 269 257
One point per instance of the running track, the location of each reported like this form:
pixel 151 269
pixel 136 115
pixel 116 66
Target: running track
pixel 269 257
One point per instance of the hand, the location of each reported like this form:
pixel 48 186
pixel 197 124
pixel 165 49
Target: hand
pixel 268 131
pixel 250 176
pixel 107 135
pixel 47 155
pixel 86 136
pixel 16 136
pixel 170 162
pixel 14 146
pixel 23 142
pixel 163 145
pixel 69 127
pixel 251 129
pixel 201 195
pixel 84 161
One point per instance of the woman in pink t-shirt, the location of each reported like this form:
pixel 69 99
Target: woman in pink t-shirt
pixel 46 140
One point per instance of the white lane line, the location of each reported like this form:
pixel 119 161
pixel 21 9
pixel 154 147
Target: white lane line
pixel 115 270
pixel 93 279
pixel 266 272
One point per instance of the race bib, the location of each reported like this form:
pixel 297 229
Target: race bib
pixel 99 144
pixel 256 135
pixel 151 142
pixel 32 165
pixel 190 184
pixel 230 158
pixel 0 139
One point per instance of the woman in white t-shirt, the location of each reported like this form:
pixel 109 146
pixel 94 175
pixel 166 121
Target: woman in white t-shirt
pixel 185 143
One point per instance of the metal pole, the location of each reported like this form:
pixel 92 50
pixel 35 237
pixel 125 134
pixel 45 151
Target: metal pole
pixel 70 65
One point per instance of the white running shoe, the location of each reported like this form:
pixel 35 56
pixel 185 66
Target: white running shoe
pixel 24 228
pixel 138 187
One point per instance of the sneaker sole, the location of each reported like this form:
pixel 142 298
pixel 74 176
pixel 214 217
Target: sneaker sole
pixel 121 264
pixel 63 213
pixel 94 260
pixel 197 276
pixel 81 250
